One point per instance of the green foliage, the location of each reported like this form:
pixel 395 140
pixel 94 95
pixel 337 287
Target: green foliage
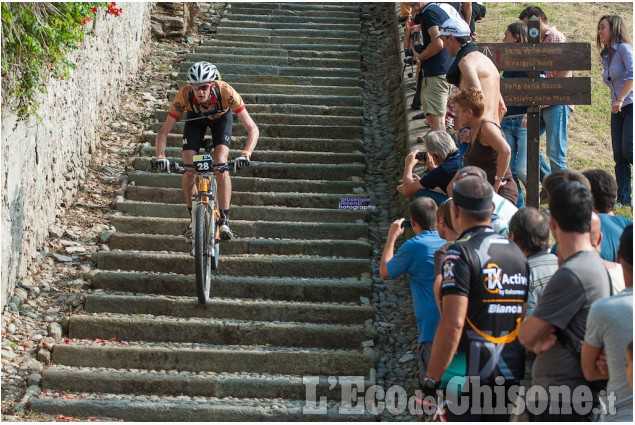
pixel 36 37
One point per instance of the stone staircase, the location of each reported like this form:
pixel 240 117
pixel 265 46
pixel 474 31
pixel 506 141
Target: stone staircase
pixel 290 298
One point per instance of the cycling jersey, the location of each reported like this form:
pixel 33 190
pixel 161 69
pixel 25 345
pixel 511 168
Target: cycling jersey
pixel 492 273
pixel 224 98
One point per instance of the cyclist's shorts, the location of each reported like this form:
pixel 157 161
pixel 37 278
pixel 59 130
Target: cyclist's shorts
pixel 194 131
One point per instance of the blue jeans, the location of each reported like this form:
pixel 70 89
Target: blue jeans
pixel 436 196
pixel 517 139
pixel 622 138
pixel 554 121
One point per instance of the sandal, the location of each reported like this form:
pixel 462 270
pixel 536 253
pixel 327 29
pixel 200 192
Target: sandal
pixel 419 116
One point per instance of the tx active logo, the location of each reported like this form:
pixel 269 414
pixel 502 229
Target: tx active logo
pixel 495 279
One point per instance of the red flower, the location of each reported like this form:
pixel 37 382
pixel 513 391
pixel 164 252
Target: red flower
pixel 85 21
pixel 93 9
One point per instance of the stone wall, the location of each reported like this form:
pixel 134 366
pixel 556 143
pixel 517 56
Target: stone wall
pixel 43 162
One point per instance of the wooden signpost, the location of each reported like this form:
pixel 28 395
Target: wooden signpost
pixel 534 91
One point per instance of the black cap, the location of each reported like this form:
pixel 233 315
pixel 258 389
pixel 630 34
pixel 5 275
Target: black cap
pixel 471 203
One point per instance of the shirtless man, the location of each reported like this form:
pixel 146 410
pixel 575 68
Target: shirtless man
pixel 471 68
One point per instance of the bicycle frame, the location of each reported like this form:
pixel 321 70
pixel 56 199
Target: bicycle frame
pixel 206 193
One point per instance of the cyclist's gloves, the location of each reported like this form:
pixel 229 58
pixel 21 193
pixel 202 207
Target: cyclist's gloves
pixel 162 164
pixel 242 161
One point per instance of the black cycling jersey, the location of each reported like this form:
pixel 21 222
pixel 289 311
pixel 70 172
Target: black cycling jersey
pixel 493 273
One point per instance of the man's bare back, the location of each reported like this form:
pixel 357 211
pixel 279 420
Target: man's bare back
pixel 480 72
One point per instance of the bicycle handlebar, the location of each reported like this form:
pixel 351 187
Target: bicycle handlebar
pixel 180 168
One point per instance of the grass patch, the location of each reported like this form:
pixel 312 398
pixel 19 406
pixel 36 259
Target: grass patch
pixel 589 128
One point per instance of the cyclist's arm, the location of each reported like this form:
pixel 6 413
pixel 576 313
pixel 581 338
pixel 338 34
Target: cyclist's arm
pixel 162 136
pixel 252 131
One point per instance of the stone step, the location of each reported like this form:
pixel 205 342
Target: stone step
pixel 285 289
pixel 294 157
pixel 247 19
pixel 211 358
pixel 271 76
pixel 236 309
pixel 323 51
pixel 238 212
pixel 297 92
pixel 306 10
pixel 263 169
pixel 310 110
pixel 281 93
pixel 293 119
pixel 301 26
pixel 267 40
pixel 276 143
pixel 307 44
pixel 248 184
pixel 283 130
pixel 243 265
pixel 246 229
pixel 256 58
pixel 342 36
pixel 149 328
pixel 299 200
pixel 206 384
pixel 240 245
pixel 288 71
pixel 140 409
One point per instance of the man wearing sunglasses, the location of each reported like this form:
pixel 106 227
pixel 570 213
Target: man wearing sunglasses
pixel 209 103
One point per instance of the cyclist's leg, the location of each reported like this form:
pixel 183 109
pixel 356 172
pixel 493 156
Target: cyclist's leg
pixel 193 134
pixel 221 135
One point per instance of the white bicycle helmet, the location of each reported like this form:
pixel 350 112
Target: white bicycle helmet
pixel 202 72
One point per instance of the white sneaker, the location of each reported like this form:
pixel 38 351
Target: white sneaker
pixel 225 232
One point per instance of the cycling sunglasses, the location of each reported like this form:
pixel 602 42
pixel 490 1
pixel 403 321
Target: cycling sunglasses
pixel 199 88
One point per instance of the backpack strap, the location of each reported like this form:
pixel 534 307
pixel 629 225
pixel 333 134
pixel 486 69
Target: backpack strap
pixel 195 108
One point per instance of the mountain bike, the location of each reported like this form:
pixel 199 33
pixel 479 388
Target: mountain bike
pixel 206 217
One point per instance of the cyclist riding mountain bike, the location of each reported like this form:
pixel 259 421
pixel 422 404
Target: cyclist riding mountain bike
pixel 209 103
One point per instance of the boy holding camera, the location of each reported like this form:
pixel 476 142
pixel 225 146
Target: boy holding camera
pixel 416 258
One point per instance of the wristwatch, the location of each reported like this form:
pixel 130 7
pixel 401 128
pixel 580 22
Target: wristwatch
pixel 430 384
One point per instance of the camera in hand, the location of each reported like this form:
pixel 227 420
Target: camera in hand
pixel 408 51
pixel 406 223
pixel 422 156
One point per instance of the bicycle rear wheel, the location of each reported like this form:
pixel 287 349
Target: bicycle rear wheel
pixel 203 239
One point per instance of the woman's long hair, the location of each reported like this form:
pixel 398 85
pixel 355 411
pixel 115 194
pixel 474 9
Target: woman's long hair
pixel 619 33
pixel 518 29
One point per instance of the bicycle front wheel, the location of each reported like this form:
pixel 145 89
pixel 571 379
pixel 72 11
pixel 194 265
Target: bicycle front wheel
pixel 202 258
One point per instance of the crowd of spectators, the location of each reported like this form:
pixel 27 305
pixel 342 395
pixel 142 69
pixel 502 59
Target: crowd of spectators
pixel 490 288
